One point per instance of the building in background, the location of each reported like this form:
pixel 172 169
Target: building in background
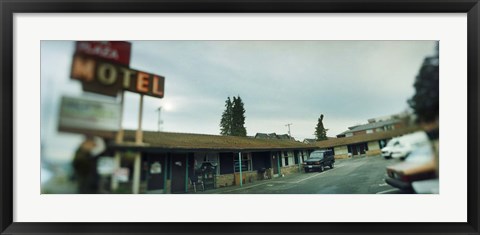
pixel 362 144
pixel 381 124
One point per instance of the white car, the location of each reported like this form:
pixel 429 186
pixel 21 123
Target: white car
pixel 400 147
pixel 387 150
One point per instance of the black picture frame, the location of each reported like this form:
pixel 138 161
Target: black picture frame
pixel 9 7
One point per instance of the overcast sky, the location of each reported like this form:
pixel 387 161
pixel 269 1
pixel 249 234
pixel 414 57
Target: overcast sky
pixel 280 82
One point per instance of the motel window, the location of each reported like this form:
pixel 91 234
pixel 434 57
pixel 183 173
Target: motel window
pixel 296 159
pixel 285 153
pixel 286 161
pixel 246 163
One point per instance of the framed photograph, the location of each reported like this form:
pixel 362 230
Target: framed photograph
pixel 255 117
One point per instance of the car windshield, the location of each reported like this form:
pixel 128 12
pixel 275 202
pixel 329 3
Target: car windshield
pixel 392 142
pixel 318 155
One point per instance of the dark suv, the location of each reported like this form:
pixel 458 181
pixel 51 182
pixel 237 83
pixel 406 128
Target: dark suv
pixel 319 159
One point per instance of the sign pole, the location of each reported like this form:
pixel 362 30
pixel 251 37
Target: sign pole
pixel 138 155
pixel 118 140
pixel 139 133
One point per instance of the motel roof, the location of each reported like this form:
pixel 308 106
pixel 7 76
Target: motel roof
pixel 181 142
pixel 171 141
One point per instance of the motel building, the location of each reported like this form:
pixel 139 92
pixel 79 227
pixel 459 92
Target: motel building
pixel 171 162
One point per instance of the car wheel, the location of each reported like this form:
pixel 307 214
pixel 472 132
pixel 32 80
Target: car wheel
pixel 306 170
pixel 321 168
pixel 331 165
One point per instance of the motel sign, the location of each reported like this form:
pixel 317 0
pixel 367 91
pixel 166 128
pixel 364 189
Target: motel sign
pixel 104 68
pixel 101 76
pixel 113 51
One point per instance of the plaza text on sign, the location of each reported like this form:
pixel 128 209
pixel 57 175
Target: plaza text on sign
pixel 109 78
pixel 113 51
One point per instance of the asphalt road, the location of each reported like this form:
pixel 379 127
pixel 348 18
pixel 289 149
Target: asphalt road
pixel 364 175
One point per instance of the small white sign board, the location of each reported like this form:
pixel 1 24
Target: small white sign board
pixel 156 168
pixel 105 165
pixel 122 174
pixel 79 115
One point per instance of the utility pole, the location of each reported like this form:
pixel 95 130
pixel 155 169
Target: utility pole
pixel 289 124
pixel 160 122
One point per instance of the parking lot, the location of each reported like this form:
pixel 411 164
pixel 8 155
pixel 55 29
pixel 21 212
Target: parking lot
pixel 362 175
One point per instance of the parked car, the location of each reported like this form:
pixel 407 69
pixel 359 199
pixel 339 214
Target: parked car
pixel 401 147
pixel 319 159
pixel 420 165
pixel 387 150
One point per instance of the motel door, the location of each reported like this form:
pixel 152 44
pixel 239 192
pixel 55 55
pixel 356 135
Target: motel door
pixel 179 171
pixel 155 172
pixel 354 150
pixel 359 149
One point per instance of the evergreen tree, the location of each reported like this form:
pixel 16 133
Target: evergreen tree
pixel 226 121
pixel 425 102
pixel 320 131
pixel 233 118
pixel 238 117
